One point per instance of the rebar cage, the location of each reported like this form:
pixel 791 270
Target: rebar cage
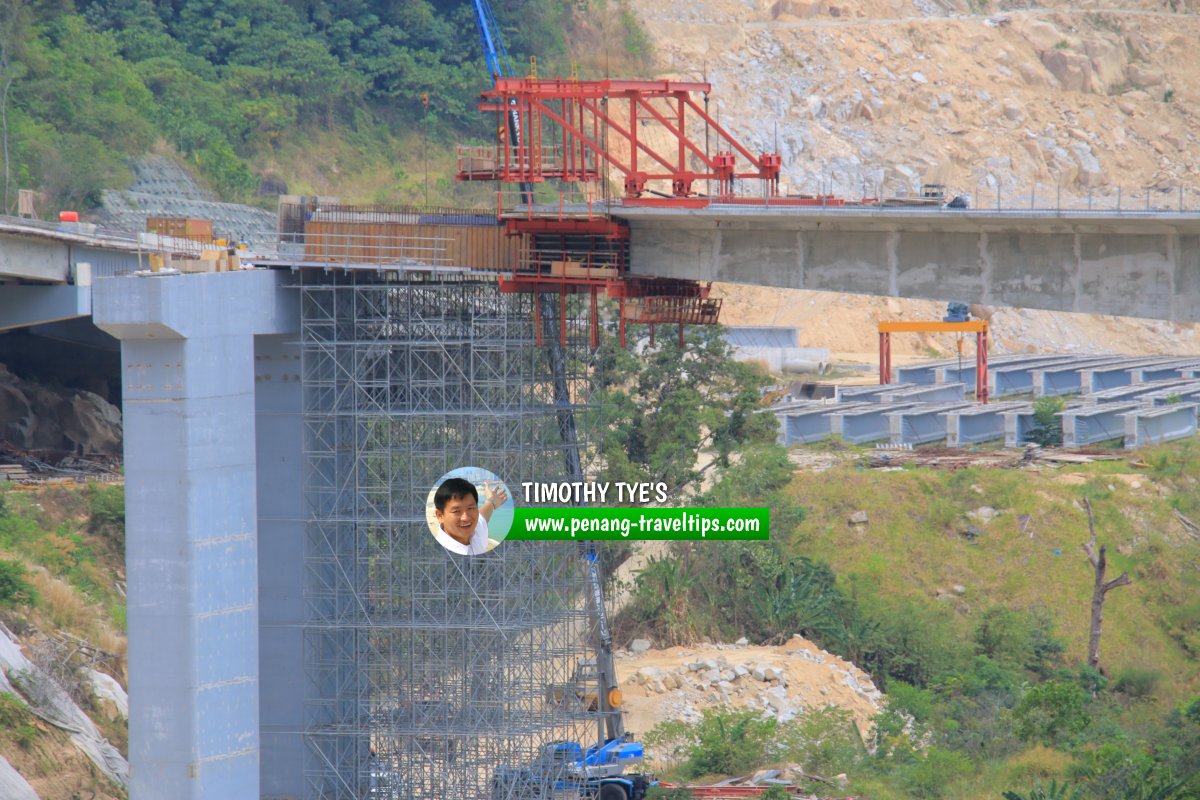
pixel 431 672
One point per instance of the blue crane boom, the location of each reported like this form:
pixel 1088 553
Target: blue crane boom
pixel 498 61
pixel 597 771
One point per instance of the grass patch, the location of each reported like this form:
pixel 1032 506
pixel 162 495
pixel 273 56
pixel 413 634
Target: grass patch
pixel 1030 555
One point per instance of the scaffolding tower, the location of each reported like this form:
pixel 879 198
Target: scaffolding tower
pixel 431 670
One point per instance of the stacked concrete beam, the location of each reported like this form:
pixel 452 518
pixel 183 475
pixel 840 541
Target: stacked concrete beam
pixel 1017 377
pixel 1165 371
pixel 867 423
pixel 1060 379
pixel 867 394
pixel 1185 393
pixel 922 423
pixel 979 423
pixel 809 422
pixel 934 393
pixel 1121 394
pixel 1088 424
pixel 1099 379
pixel 966 373
pixel 1144 426
pixel 1018 424
pixel 946 369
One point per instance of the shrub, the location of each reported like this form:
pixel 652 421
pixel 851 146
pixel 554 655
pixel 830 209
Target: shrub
pixel 14 589
pixel 724 742
pixel 106 511
pixel 933 775
pixel 1051 712
pixel 1051 792
pixel 1047 425
pixel 824 740
pixel 1137 682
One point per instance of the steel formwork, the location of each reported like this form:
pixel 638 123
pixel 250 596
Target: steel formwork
pixel 429 670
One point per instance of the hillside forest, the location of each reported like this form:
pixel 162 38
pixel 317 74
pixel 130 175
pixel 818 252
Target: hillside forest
pixel 252 93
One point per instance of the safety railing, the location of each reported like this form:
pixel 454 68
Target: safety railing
pixel 545 203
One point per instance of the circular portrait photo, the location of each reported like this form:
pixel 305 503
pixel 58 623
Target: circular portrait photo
pixel 469 511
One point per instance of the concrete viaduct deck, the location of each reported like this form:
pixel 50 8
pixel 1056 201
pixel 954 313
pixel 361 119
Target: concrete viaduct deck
pixel 1130 263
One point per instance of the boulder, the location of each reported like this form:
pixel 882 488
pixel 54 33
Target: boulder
pixel 1109 61
pixel 1042 34
pixel 1143 76
pixel 1072 70
pixel 858 518
pixel 640 646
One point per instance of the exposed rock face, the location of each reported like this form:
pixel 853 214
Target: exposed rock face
pixel 885 95
pixel 34 417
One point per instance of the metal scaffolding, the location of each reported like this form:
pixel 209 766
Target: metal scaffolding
pixel 431 670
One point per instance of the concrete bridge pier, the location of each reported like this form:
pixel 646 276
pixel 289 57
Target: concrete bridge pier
pixel 188 350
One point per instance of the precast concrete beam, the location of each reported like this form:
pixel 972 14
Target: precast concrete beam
pixel 945 370
pixel 1163 424
pixel 868 423
pixel 1165 371
pixel 192 519
pixel 1142 265
pixel 925 423
pixel 1060 379
pixel 1099 379
pixel 1017 377
pixel 867 394
pixel 807 424
pixel 1183 393
pixel 1121 394
pixel 1089 424
pixel 979 423
pixel 935 393
pixel 965 372
pixel 1018 424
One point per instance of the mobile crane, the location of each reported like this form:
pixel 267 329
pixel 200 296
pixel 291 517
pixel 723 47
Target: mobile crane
pixel 598 771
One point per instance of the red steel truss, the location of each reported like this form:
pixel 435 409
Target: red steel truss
pixel 590 257
pixel 571 131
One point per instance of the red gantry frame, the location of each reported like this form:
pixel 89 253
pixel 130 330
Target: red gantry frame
pixel 978 327
pixel 575 256
pixel 577 131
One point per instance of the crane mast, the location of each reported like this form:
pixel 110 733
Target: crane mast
pixel 611 724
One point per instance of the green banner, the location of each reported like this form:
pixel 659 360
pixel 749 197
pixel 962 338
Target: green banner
pixel 607 524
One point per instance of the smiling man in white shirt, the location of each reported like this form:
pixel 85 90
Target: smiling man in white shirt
pixel 462 521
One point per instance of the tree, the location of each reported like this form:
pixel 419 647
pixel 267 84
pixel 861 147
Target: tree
pixel 683 414
pixel 13 29
pixel 1100 588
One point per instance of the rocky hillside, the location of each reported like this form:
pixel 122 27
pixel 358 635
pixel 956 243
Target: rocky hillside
pixel 979 95
pixel 1050 104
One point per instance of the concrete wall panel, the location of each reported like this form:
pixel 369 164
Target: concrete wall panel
pixel 1125 274
pixel 1025 268
pixel 938 265
pixel 859 262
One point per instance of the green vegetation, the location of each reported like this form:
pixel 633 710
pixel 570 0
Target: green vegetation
pixel 240 89
pixel 14 589
pixel 1047 425
pixel 77 536
pixel 16 721
pixel 986 689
